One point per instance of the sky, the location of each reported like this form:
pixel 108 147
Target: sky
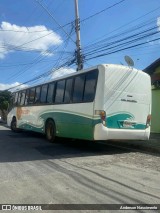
pixel 38 36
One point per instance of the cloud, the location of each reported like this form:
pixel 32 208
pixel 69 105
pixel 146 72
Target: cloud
pixel 7 86
pixel 14 37
pixel 62 72
pixel 154 37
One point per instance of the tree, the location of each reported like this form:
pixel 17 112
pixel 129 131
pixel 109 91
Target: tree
pixel 5 100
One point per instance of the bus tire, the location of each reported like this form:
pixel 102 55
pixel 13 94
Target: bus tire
pixel 50 130
pixel 14 125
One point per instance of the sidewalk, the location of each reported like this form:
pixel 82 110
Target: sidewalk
pixel 152 145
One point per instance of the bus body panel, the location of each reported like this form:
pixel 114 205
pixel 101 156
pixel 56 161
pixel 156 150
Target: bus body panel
pixel 103 133
pixel 127 103
pixel 76 123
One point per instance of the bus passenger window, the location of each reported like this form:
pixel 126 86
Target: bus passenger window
pixel 37 95
pixel 27 97
pixel 90 86
pixel 50 94
pixel 68 90
pixel 19 98
pixel 23 93
pixel 44 93
pixel 78 88
pixel 15 98
pixel 60 91
pixel 31 95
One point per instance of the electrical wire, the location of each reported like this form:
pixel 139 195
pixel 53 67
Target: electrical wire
pixel 124 41
pixel 107 8
pixel 108 53
pixel 67 63
pixel 128 23
pixel 49 13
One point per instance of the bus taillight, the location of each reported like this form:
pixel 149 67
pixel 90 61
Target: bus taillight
pixel 148 122
pixel 102 114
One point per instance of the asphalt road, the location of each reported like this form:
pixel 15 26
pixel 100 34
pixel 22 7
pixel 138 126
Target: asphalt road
pixel 34 171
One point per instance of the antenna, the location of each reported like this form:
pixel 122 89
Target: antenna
pixel 129 61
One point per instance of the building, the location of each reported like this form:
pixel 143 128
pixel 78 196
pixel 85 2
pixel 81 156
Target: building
pixel 154 71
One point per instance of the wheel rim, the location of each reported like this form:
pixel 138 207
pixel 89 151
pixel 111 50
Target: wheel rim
pixel 50 131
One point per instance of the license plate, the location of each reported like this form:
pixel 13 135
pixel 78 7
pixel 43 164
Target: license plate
pixel 128 124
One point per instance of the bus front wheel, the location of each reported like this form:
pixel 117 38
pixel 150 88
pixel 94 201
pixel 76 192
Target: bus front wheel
pixel 50 130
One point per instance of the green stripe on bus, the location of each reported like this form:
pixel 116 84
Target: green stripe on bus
pixel 78 126
pixel 71 125
pixel 116 122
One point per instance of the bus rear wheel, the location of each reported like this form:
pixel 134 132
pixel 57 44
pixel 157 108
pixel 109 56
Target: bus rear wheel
pixel 14 125
pixel 50 131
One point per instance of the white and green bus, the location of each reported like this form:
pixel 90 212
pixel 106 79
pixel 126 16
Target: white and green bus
pixel 105 102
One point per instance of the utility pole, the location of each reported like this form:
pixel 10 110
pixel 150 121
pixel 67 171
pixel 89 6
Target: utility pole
pixel 78 43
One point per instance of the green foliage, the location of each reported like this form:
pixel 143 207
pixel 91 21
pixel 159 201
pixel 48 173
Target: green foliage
pixel 5 99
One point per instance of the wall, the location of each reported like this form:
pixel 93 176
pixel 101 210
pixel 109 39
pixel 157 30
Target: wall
pixel 155 123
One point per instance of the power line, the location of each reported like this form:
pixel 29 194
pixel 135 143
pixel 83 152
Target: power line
pixel 26 49
pixel 22 31
pixel 128 31
pixel 25 64
pixel 35 62
pixel 128 23
pixel 64 48
pixel 113 44
pixel 108 53
pixel 107 8
pixel 48 12
pixel 69 62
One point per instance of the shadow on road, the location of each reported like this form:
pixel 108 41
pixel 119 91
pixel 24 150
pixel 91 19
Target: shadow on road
pixel 29 146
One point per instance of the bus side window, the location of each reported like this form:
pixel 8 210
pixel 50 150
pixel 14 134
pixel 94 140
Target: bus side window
pixel 68 90
pixel 19 98
pixel 90 86
pixel 78 88
pixel 12 100
pixel 15 98
pixel 23 93
pixel 44 93
pixel 50 94
pixel 60 91
pixel 31 95
pixel 27 97
pixel 37 95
